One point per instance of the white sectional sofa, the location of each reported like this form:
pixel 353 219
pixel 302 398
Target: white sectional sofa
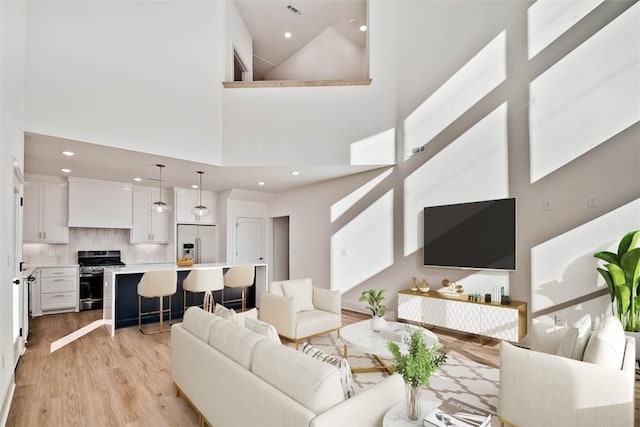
pixel 236 377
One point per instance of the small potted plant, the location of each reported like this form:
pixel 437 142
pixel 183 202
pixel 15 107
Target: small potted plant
pixel 415 367
pixel 375 303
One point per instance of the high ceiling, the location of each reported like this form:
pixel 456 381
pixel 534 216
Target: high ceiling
pixel 268 20
pixel 43 156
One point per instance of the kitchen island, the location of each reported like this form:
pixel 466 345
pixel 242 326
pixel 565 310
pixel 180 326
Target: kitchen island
pixel 120 307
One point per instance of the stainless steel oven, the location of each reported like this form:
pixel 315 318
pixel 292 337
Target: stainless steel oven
pixel 92 265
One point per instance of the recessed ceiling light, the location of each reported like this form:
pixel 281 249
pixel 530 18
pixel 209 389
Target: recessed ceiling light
pixel 194 186
pixel 136 179
pixel 68 153
pixel 260 183
pixel 65 170
pixel 352 21
pixel 287 35
pixel 363 28
pixel 295 173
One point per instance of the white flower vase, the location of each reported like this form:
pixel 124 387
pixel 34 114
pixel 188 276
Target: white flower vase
pixel 378 323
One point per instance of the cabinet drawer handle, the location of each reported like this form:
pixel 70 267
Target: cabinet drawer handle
pixel 45 234
pixel 58 272
pixel 58 280
pixel 58 296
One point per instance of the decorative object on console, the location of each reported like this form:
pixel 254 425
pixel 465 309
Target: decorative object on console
pixel 160 206
pixel 622 275
pixel 415 367
pixel 375 300
pixel 414 284
pixel 424 286
pixel 200 210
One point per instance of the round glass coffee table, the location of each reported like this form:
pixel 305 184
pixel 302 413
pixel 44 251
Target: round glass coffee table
pixel 360 337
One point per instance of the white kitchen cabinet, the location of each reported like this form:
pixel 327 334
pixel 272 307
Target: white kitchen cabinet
pixel 187 198
pixel 55 290
pixel 148 226
pixel 45 213
pixel 99 204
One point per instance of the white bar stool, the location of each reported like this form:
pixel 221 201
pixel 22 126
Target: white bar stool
pixel 239 276
pixel 156 284
pixel 204 280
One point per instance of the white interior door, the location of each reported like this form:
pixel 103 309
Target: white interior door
pixel 20 321
pixel 250 240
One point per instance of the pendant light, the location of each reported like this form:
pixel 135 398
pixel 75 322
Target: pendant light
pixel 160 206
pixel 200 210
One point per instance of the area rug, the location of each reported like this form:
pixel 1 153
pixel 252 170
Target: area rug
pixel 460 377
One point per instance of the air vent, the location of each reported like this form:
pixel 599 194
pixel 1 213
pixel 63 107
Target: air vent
pixel 294 9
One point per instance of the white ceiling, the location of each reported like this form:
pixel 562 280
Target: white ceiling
pixel 267 21
pixel 43 156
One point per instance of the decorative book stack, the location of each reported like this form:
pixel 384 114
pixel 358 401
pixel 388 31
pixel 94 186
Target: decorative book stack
pixel 454 412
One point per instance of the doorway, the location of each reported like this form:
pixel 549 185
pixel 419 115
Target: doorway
pixel 280 264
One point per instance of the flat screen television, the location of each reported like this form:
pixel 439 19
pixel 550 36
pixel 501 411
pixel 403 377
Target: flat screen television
pixel 478 235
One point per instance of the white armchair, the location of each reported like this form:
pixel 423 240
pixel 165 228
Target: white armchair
pixel 299 311
pixel 540 388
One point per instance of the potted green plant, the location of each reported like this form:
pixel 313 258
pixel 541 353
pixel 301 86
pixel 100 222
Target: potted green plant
pixel 622 275
pixel 415 367
pixel 375 303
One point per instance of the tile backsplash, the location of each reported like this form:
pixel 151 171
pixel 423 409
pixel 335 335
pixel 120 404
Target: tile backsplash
pixel 82 239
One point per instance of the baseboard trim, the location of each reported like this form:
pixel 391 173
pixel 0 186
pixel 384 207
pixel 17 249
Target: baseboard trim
pixel 6 403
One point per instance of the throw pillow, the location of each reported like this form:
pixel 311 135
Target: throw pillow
pixel 575 340
pixel 242 316
pixel 302 293
pixel 607 344
pixel 346 379
pixel 262 328
pixel 224 312
pixel 275 288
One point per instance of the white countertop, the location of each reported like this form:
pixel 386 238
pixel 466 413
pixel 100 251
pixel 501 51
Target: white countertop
pixel 143 268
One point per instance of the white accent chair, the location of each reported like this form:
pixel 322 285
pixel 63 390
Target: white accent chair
pixel 239 276
pixel 204 280
pixel 299 311
pixel 538 387
pixel 156 284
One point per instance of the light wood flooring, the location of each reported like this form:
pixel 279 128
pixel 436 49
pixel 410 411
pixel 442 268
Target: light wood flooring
pixel 126 381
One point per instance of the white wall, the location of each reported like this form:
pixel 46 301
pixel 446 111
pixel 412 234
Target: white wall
pixel 329 56
pixel 440 45
pixel 238 38
pixel 315 125
pixel 139 75
pixel 12 60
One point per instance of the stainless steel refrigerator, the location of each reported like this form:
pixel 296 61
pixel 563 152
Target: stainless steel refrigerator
pixel 197 241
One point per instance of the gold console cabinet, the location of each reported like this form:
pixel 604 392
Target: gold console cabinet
pixel 504 322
